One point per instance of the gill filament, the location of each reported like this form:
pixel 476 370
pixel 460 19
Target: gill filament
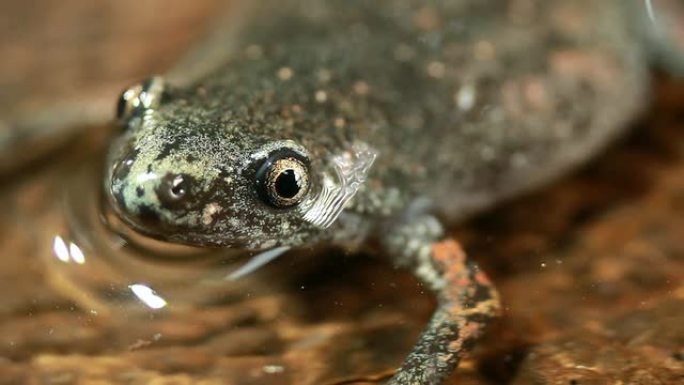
pixel 351 169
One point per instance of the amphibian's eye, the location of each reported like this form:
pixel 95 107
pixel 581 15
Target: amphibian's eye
pixel 174 190
pixel 283 179
pixel 138 98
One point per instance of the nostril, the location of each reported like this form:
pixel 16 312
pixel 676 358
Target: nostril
pixel 174 190
pixel 122 168
pixel 117 182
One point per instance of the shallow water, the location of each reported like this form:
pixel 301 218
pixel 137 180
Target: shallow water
pixel 596 282
pixel 591 271
pixel 110 266
pixel 87 299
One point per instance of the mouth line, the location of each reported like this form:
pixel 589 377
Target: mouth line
pixel 151 245
pixel 148 247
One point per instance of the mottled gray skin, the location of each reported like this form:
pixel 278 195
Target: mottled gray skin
pixel 466 102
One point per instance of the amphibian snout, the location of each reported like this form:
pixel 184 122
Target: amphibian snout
pixel 192 176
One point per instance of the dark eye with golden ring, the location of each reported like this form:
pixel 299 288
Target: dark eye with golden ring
pixel 283 179
pixel 135 100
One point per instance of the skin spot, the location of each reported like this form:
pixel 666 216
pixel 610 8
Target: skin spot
pixel 321 96
pixel 285 73
pixel 484 50
pixel 426 19
pixel 268 244
pixel 436 69
pixel 339 122
pixel 487 153
pixel 324 75
pixel 208 213
pixel 361 87
pixel 465 97
pixel 536 94
pixel 519 160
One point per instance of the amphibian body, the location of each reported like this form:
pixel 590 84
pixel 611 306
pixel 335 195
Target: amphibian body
pixel 375 125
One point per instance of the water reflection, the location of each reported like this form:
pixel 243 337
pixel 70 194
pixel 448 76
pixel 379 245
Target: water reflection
pixel 76 254
pixel 60 249
pixel 148 296
pixel 257 261
pixel 67 254
pixel 649 10
pixel 103 265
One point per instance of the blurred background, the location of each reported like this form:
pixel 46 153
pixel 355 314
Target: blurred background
pixel 64 63
pixel 62 53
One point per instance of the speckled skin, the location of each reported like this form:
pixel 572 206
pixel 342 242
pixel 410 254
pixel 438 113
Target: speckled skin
pixel 465 103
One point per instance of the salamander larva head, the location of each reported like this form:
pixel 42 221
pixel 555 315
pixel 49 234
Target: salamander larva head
pixel 186 174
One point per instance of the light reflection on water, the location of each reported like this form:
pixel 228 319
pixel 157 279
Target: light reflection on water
pixel 73 253
pixel 104 266
pixel 148 296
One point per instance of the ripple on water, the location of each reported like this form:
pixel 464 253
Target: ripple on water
pixel 104 266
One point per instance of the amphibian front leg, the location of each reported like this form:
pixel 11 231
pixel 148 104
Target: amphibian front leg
pixel 466 299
